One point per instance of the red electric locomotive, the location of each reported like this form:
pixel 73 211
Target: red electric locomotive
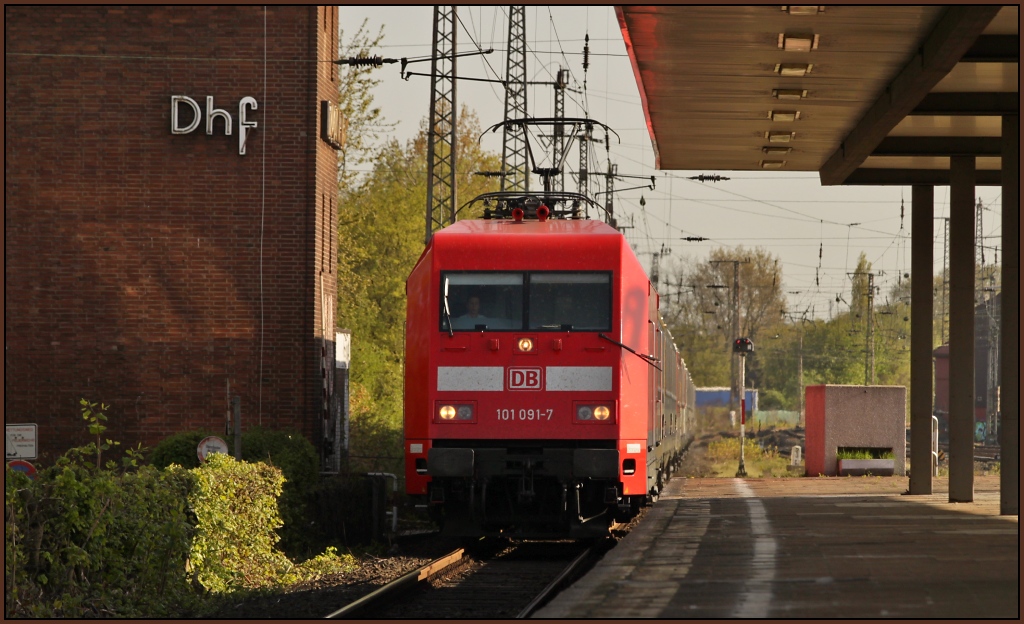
pixel 543 395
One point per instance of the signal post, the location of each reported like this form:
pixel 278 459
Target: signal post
pixel 742 346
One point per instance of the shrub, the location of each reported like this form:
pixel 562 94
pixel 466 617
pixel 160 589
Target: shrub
pixel 771 400
pixel 298 460
pixel 179 448
pixel 236 510
pixel 87 542
pixel 235 504
pixel 123 541
pixel 288 450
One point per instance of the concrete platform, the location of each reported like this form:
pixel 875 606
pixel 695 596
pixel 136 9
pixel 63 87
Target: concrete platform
pixel 827 547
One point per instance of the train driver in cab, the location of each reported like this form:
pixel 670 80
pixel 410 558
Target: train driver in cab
pixel 472 317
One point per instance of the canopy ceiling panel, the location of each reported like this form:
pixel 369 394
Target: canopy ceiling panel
pixel 801 88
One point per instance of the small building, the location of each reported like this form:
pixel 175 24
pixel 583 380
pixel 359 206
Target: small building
pixel 169 239
pixel 854 417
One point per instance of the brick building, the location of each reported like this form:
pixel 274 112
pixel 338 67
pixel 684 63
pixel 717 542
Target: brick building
pixel 152 259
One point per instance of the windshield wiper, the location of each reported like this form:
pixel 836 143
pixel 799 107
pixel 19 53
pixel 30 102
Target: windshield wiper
pixel 447 314
pixel 650 359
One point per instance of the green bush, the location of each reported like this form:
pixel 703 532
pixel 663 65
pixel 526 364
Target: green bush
pixel 235 504
pixel 771 400
pixel 236 510
pixel 288 450
pixel 298 460
pixel 83 540
pixel 180 449
pixel 88 542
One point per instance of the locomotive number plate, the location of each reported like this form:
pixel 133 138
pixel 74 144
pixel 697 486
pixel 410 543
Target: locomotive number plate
pixel 525 414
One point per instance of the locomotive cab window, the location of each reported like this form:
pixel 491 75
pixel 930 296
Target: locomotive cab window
pixel 570 301
pixel 539 301
pixel 482 301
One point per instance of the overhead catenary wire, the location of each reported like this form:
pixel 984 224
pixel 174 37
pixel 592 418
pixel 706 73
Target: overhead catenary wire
pixel 682 206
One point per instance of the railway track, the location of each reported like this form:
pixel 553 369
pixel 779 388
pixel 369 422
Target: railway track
pixel 489 580
pixel 982 453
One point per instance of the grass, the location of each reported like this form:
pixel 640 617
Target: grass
pixel 724 456
pixel 845 452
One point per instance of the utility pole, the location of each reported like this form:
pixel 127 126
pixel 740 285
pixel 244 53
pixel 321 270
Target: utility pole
pixel 800 363
pixel 945 274
pixel 609 205
pixel 656 268
pixel 742 470
pixel 737 389
pixel 736 331
pixel 441 141
pixel 513 153
pixel 992 394
pixel 800 375
pixel 558 148
pixel 979 249
pixel 585 138
pixel 869 348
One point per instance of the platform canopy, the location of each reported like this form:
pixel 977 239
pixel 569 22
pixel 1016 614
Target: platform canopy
pixel 873 94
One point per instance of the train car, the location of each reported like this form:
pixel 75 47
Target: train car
pixel 544 397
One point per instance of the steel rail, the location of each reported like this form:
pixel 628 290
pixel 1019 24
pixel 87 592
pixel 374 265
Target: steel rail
pixel 400 584
pixel 548 591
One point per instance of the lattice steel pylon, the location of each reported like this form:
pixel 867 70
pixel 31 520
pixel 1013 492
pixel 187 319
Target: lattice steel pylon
pixel 979 249
pixel 441 140
pixel 585 139
pixel 609 202
pixel 514 162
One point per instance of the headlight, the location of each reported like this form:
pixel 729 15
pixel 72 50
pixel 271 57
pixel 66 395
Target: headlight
pixel 525 344
pixel 593 413
pixel 456 412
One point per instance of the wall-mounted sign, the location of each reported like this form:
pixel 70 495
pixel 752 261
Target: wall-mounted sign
pixel 178 125
pixel 342 348
pixel 20 465
pixel 20 441
pixel 333 125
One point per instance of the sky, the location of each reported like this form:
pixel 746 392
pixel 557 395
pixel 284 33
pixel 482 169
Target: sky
pixel 790 214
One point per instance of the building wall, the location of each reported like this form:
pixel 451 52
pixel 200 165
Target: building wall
pixel 150 270
pixel 853 416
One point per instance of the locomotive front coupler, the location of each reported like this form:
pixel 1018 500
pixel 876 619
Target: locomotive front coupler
pixel 436 494
pixel 526 491
pixel 611 496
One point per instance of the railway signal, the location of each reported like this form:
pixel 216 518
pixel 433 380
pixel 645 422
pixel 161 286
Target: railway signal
pixel 743 346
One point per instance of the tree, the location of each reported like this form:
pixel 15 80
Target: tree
pixel 365 121
pixel 859 287
pixel 832 354
pixel 701 319
pixel 381 234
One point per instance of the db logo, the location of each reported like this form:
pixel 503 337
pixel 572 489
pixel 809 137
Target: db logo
pixel 524 379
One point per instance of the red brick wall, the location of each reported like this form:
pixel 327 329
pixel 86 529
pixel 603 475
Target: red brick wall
pixel 133 256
